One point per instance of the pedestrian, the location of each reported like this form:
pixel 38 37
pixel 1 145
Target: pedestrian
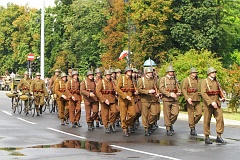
pixel 39 91
pixel 149 100
pixel 62 97
pixel 88 91
pixel 170 90
pixel 106 95
pixel 192 97
pixel 125 91
pixel 211 92
pixel 73 92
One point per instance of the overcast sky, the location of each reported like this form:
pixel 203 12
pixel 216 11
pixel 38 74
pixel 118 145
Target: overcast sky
pixel 32 3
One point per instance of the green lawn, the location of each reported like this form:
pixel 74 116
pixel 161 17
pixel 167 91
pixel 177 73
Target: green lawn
pixel 229 115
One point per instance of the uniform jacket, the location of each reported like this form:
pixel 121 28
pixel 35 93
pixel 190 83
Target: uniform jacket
pixel 144 85
pixel 61 89
pixel 124 82
pixel 88 86
pixel 51 82
pixel 207 84
pixel 38 87
pixel 188 84
pixel 24 85
pixel 166 86
pixel 105 85
pixel 73 89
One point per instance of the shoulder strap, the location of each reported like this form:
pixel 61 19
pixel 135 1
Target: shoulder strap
pixel 123 77
pixel 103 82
pixel 189 82
pixel 165 83
pixel 143 80
pixel 207 84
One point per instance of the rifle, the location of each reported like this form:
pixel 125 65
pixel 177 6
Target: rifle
pixel 222 94
pixel 177 84
pixel 155 82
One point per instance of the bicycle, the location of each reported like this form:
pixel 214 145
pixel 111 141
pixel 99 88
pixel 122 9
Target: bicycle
pixel 29 106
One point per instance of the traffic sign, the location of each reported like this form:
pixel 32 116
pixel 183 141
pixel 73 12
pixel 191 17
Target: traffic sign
pixel 30 57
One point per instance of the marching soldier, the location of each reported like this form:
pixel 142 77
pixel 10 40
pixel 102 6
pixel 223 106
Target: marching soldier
pixel 53 79
pixel 125 90
pixel 170 91
pixel 24 86
pixel 190 92
pixel 149 99
pixel 211 92
pixel 62 98
pixel 98 78
pixel 73 92
pixel 106 95
pixel 114 81
pixel 69 77
pixel 38 90
pixel 137 99
pixel 88 91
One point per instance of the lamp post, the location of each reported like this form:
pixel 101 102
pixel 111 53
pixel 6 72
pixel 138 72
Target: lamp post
pixel 129 44
pixel 42 41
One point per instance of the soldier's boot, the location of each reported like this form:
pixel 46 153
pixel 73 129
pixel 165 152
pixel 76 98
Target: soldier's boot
pixel 169 133
pixel 78 124
pixel 220 140
pixel 193 132
pixel 125 133
pixel 40 109
pixel 137 122
pixel 97 124
pixel 117 123
pixel 208 140
pixel 90 126
pixel 112 127
pixel 66 121
pixel 74 125
pixel 152 127
pixel 107 130
pixel 147 132
pixel 156 125
pixel 172 130
pixel 62 122
pixel 38 113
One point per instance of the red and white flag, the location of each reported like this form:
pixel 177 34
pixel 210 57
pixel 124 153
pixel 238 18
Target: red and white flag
pixel 123 54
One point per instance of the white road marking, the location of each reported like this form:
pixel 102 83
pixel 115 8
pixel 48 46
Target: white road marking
pixel 70 134
pixel 161 127
pixel 7 113
pixel 143 152
pixel 202 135
pixel 25 120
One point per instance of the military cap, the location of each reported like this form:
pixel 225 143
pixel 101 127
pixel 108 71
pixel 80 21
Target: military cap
pixel 193 70
pixel 63 74
pixel 170 69
pixel 57 70
pixel 98 70
pixel 148 69
pixel 118 70
pixel 26 72
pixel 74 72
pixel 210 70
pixel 38 74
pixel 90 72
pixel 107 72
pixel 127 69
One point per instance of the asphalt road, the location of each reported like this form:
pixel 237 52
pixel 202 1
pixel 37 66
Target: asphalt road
pixel 26 137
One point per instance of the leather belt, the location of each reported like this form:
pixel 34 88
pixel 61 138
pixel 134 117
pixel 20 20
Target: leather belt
pixel 192 90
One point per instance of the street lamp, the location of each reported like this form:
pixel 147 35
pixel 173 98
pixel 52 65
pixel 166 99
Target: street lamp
pixel 129 45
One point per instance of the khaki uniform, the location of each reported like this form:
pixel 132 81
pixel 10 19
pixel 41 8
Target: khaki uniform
pixel 24 85
pixel 104 91
pixel 38 88
pixel 91 103
pixel 170 105
pixel 125 88
pixel 149 101
pixel 210 93
pixel 52 81
pixel 97 80
pixel 61 89
pixel 73 89
pixel 190 90
pixel 137 103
